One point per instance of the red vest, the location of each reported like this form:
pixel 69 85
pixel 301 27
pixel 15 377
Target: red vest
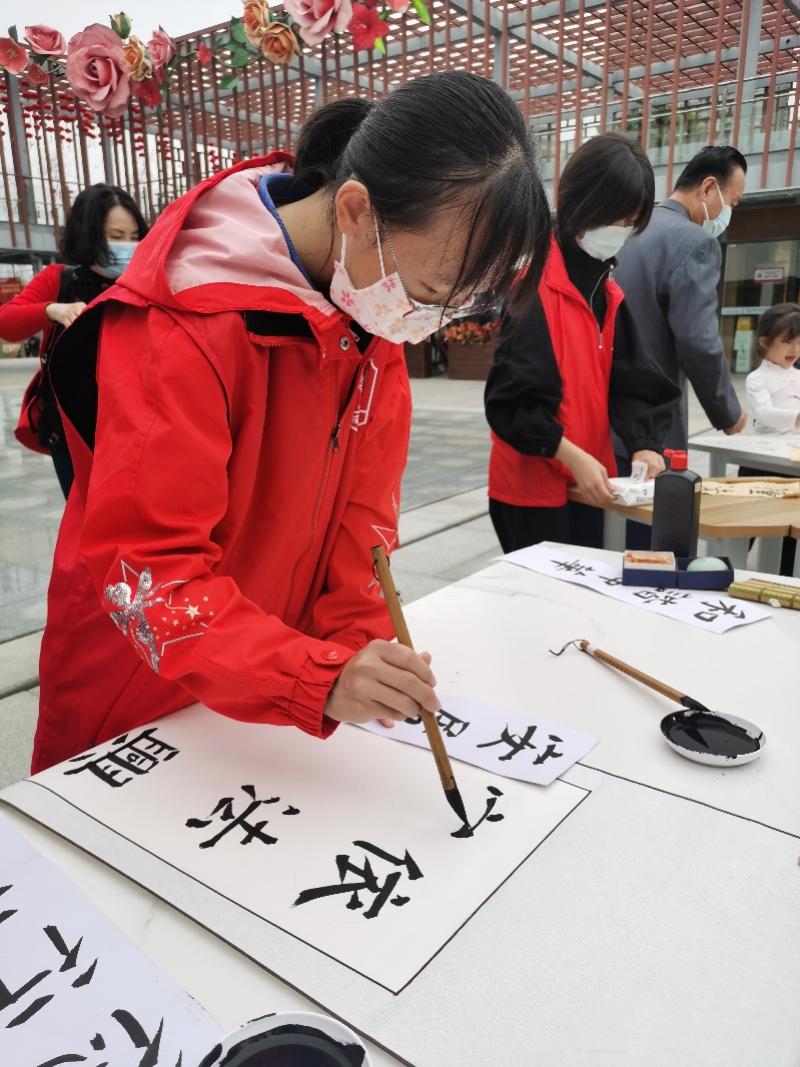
pixel 583 353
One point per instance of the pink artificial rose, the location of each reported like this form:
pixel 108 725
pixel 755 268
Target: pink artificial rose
pixel 13 56
pixel 316 19
pixel 400 6
pixel 45 41
pixel 96 70
pixel 161 49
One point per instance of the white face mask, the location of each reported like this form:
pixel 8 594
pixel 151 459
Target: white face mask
pixel 716 227
pixel 604 242
pixel 384 308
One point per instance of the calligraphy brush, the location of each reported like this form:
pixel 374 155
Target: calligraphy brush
pixel 429 721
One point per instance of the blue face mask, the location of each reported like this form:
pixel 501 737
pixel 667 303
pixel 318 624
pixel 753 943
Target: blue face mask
pixel 119 256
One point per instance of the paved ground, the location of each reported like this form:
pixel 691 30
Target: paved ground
pixel 444 529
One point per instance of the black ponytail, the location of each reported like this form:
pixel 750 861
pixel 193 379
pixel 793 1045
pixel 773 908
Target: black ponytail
pixel 324 138
pixel 443 140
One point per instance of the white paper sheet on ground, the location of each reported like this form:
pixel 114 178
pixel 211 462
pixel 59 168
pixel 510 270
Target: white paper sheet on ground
pixel 524 747
pixel 72 986
pixel 707 610
pixel 269 817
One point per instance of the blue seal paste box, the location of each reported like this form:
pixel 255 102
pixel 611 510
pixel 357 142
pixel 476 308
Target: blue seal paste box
pixel 662 570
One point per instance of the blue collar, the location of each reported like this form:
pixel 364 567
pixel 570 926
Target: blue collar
pixel 274 189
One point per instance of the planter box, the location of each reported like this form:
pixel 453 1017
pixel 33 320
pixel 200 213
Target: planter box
pixel 419 360
pixel 470 361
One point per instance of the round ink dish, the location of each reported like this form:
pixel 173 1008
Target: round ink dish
pixel 719 740
pixel 290 1039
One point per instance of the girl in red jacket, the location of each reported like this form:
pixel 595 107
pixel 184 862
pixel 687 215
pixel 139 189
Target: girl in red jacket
pixel 240 436
pixel 571 367
pixel 99 236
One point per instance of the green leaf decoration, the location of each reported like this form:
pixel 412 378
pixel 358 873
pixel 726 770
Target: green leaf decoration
pixel 12 33
pixel 237 31
pixel 421 9
pixel 380 46
pixel 229 81
pixel 240 57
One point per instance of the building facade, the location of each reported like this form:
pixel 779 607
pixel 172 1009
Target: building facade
pixel 675 74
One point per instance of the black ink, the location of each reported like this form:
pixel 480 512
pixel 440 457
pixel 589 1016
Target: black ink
pixel 575 566
pixel 135 1033
pixel 519 742
pixel 467 830
pixel 369 883
pixel 703 731
pixel 449 723
pixel 126 759
pixel 665 597
pixel 69 963
pixel 609 581
pixel 290 1045
pixel 718 610
pixel 252 831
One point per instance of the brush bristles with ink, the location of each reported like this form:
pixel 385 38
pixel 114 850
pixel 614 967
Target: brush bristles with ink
pixel 429 720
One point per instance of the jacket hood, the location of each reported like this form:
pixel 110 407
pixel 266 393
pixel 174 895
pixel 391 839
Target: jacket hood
pixel 218 248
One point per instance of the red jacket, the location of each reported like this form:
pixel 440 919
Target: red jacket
pixel 246 457
pixel 20 319
pixel 583 356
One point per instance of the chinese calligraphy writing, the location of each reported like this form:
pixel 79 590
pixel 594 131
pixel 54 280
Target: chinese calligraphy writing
pixel 126 759
pixel 365 880
pixel 251 831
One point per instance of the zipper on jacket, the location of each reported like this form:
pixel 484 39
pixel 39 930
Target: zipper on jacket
pixel 334 444
pixel 600 281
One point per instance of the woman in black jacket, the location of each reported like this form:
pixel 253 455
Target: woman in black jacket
pixel 572 368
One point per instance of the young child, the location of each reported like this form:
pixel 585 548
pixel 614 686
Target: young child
pixel 773 389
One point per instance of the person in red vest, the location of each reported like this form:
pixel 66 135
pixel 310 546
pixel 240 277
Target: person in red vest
pixel 571 367
pixel 101 231
pixel 238 412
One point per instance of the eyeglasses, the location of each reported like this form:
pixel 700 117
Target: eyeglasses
pixel 446 310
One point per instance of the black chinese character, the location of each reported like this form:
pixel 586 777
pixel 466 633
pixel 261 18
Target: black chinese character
pixel 126 759
pixel 575 566
pixel 252 831
pixel 9 998
pixel 519 742
pixel 468 829
pixel 609 581
pixel 366 881
pixel 665 597
pixel 718 610
pixel 451 725
pixel 135 1033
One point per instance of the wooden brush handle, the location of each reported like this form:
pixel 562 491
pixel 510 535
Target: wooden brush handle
pixel 632 672
pixel 429 720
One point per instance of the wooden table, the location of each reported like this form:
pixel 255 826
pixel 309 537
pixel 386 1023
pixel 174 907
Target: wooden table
pixel 771 452
pixel 726 525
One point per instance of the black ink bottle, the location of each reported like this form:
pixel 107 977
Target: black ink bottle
pixel 676 507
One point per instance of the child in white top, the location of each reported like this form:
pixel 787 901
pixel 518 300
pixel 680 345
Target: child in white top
pixel 773 389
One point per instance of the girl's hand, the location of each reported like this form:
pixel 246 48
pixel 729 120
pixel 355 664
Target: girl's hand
pixel 591 478
pixel 655 462
pixel 64 314
pixel 383 681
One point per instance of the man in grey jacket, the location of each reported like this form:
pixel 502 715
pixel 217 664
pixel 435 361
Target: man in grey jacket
pixel 670 275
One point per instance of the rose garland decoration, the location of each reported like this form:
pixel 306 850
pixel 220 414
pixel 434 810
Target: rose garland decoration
pixel 105 65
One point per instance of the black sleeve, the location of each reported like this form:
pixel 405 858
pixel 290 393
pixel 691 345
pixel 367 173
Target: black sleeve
pixel 642 399
pixel 523 391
